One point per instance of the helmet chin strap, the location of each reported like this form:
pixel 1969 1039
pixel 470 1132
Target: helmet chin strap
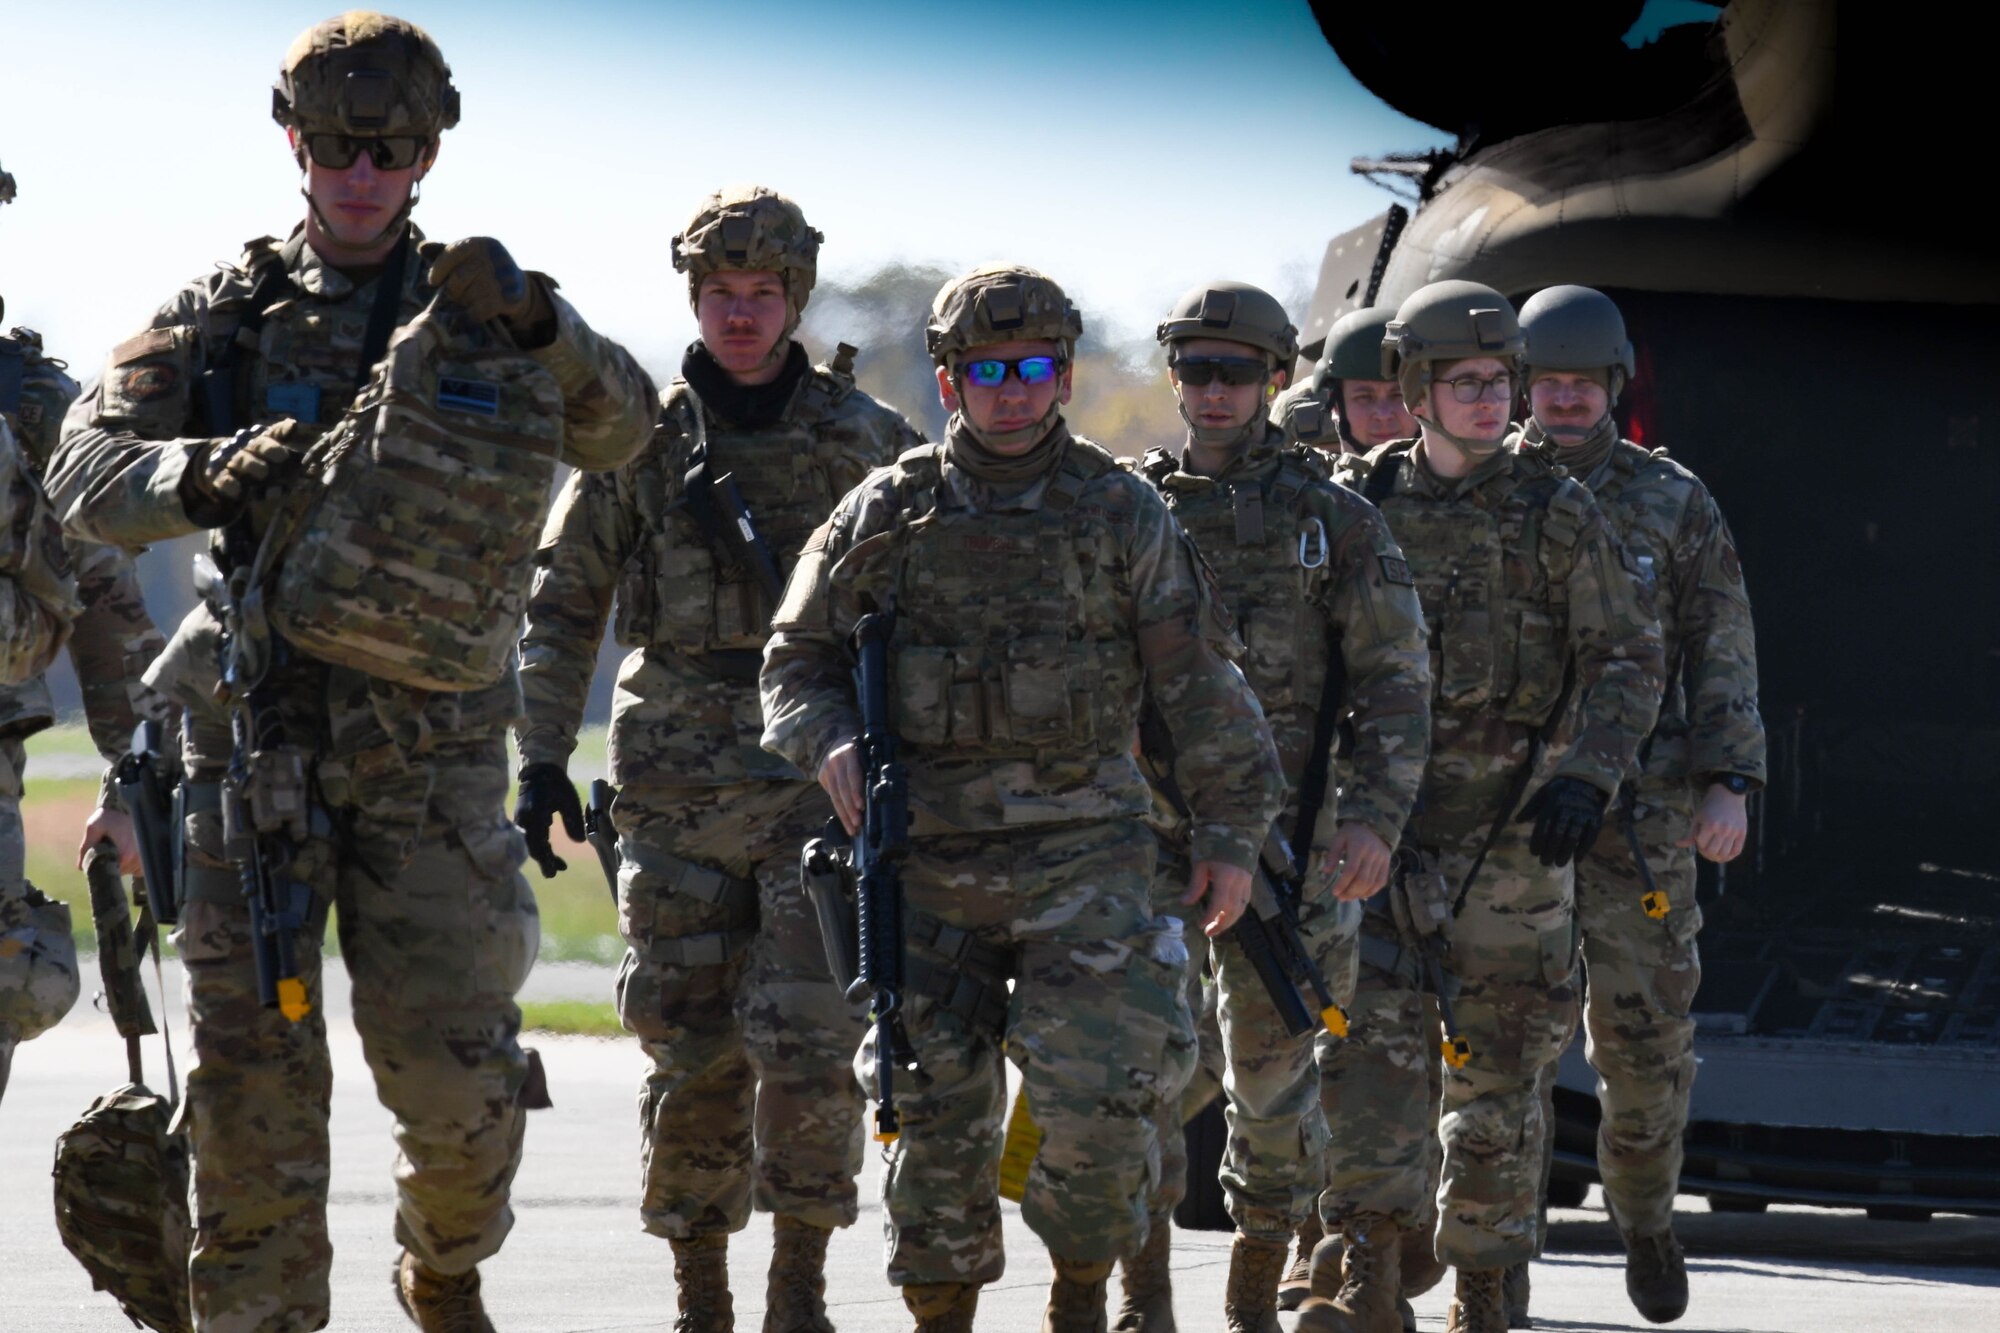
pixel 1232 438
pixel 350 249
pixel 1006 439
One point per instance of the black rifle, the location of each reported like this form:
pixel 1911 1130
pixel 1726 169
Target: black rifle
pixel 875 858
pixel 718 509
pixel 153 797
pixel 601 833
pixel 1268 933
pixel 264 805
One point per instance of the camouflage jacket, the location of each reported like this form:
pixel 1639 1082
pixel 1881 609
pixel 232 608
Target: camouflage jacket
pixel 1309 569
pixel 1672 529
pixel 681 715
pixel 116 475
pixel 113 639
pixel 1523 583
pixel 1028 624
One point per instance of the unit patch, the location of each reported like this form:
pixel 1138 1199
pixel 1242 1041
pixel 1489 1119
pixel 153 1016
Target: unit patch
pixel 142 384
pixel 1397 570
pixel 479 397
pixel 300 402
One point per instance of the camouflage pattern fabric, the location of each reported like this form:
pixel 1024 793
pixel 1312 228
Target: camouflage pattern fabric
pixel 751 1097
pixel 1096 1022
pixel 1642 972
pixel 38 599
pixel 39 976
pixel 750 1055
pixel 113 638
pixel 1211 1065
pixel 1302 562
pixel 1029 616
pixel 439 928
pixel 1381 1088
pixel 628 534
pixel 1518 571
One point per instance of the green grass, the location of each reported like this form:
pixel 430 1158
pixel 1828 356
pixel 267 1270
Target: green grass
pixel 579 919
pixel 572 1018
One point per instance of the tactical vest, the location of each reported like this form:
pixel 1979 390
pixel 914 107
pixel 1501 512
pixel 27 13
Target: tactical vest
pixel 1486 568
pixel 1011 641
pixel 1271 557
pixel 674 591
pixel 412 557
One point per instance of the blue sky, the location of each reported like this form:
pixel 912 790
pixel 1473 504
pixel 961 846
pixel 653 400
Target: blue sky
pixel 1131 150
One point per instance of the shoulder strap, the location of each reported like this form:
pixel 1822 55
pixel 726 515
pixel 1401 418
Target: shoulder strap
pixel 1082 463
pixel 825 386
pixel 1382 479
pixel 382 314
pixel 1566 508
pixel 271 284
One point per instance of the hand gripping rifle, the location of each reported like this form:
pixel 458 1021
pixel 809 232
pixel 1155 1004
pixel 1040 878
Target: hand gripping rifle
pixel 875 860
pixel 1268 933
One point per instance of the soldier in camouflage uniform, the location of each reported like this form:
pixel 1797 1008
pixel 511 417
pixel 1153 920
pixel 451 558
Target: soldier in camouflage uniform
pixel 751 1096
pixel 1316 584
pixel 1037 591
pixel 1345 406
pixel 1532 613
pixel 39 979
pixel 1639 918
pixel 403 785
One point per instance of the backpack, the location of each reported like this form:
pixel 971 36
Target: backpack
pixel 121 1172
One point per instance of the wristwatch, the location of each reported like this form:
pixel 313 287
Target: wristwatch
pixel 1734 783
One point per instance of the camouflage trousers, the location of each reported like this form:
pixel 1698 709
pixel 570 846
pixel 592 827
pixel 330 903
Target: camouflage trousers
pixel 1205 1083
pixel 1641 976
pixel 1097 1022
pixel 1513 952
pixel 438 930
pixel 1274 1166
pixel 1381 1090
pixel 750 1097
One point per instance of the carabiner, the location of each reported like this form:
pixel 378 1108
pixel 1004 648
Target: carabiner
pixel 1314 539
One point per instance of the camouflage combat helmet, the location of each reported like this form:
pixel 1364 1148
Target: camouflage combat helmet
pixel 752 229
pixel 366 75
pixel 1449 321
pixel 998 303
pixel 1234 312
pixel 1578 329
pixel 1353 347
pixel 1001 303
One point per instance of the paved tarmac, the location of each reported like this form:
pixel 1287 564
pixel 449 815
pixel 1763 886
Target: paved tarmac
pixel 578 1262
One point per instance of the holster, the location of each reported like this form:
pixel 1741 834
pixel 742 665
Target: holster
pixel 823 874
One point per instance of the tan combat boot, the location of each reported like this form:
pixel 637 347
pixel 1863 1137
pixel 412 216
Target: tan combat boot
pixel 942 1307
pixel 1148 1300
pixel 1514 1290
pixel 1296 1284
pixel 1479 1306
pixel 440 1302
pixel 1656 1276
pixel 701 1278
pixel 1076 1297
pixel 1250 1302
pixel 795 1297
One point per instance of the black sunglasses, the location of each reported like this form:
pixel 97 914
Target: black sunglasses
pixel 1202 371
pixel 338 151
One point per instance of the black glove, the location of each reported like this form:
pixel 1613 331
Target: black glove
pixel 1567 814
pixel 546 792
